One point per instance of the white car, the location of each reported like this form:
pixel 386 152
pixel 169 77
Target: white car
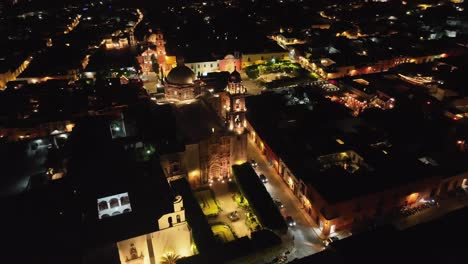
pixel 263 178
pixel 290 221
pixel 253 163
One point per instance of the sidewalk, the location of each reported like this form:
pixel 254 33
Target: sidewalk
pixel 259 157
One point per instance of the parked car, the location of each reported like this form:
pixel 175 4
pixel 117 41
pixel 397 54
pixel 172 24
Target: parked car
pixel 233 216
pixel 263 178
pixel 330 240
pixel 279 203
pixel 253 163
pixel 290 221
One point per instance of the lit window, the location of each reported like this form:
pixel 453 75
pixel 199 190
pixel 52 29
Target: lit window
pixel 341 142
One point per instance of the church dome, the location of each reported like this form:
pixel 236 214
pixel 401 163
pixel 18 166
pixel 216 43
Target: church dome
pixel 181 75
pixel 235 77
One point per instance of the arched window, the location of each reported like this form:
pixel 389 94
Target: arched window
pixel 169 220
pixel 103 205
pixel 237 103
pixel 237 121
pixel 178 218
pixel 114 202
pixel 124 200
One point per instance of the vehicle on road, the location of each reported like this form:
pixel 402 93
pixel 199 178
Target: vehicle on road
pixel 253 163
pixel 290 221
pixel 263 178
pixel 233 216
pixel 330 240
pixel 279 203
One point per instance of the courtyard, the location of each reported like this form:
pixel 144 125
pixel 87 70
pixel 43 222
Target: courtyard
pixel 223 205
pixel 207 201
pixel 223 232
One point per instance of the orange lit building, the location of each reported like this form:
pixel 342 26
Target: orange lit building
pixel 343 179
pixel 32 131
pixel 212 127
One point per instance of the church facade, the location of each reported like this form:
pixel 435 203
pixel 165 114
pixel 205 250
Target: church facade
pixel 216 138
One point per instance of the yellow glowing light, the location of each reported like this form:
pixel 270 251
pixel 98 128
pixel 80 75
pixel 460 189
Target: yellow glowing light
pixel 57 176
pixel 239 162
pixel 290 182
pixel 69 127
pixel 424 6
pixel 341 142
pixel 194 173
pixel 412 197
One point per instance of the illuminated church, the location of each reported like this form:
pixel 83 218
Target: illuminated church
pixel 213 128
pixel 180 84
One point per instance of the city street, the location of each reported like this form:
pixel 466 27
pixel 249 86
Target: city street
pixel 304 234
pixel 32 163
pixel 253 87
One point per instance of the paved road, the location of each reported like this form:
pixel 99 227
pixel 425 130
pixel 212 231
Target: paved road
pixel 26 163
pixel 306 241
pixel 253 87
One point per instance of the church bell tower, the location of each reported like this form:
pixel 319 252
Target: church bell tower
pixel 236 109
pixel 236 117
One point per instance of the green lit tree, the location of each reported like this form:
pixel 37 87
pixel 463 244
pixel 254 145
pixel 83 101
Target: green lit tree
pixel 161 73
pixel 154 64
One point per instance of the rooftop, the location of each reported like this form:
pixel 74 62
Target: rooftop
pixel 302 133
pixel 197 121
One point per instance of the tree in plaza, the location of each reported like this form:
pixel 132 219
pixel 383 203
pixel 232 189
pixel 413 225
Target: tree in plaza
pixel 252 71
pixel 136 65
pixel 170 258
pixel 161 73
pixel 154 64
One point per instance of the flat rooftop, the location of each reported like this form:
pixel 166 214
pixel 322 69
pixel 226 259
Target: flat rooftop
pixel 300 133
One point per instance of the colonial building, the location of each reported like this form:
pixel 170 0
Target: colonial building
pixel 130 209
pixel 181 84
pixel 154 45
pixel 213 132
pixel 116 43
pixel 173 237
pixel 157 39
pixel 345 172
pixel 229 63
